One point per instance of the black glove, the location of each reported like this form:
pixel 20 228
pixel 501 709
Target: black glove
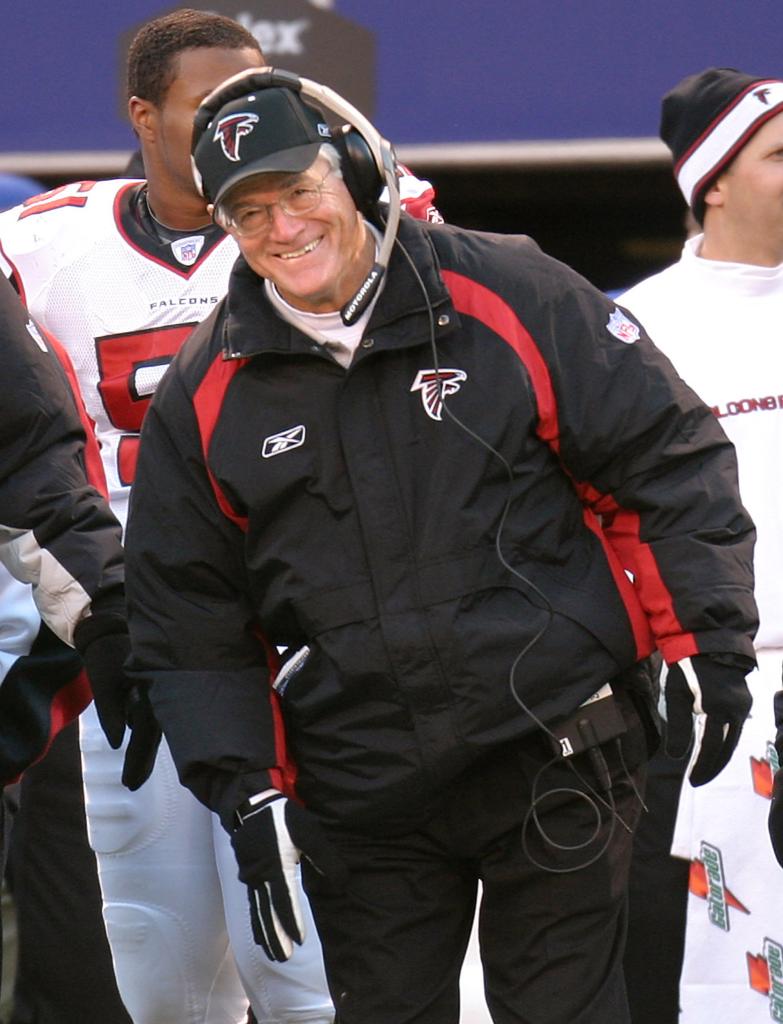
pixel 707 699
pixel 272 835
pixel 776 807
pixel 145 737
pixel 104 646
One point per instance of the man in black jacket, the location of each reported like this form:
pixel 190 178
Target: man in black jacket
pixel 57 534
pixel 468 498
pixel 56 531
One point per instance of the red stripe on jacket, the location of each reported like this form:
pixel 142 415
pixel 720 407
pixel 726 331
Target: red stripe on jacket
pixel 619 534
pixel 486 306
pixel 621 528
pixel 92 453
pixel 207 403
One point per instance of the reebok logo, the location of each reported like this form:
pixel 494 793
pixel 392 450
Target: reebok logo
pixel 285 441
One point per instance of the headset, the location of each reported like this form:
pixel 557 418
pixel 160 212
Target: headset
pixel 367 160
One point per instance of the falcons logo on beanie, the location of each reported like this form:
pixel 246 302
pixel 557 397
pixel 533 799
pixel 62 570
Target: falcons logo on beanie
pixel 231 129
pixel 435 385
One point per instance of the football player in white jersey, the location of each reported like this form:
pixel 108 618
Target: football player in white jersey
pixel 121 271
pixel 122 287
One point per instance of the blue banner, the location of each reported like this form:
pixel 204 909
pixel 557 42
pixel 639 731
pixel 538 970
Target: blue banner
pixel 426 71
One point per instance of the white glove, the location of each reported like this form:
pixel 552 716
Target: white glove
pixel 272 834
pixel 709 700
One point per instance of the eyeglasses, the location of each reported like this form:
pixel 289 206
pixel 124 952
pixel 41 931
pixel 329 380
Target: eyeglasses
pixel 250 221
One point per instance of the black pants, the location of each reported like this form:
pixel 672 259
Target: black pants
pixel 658 901
pixel 551 939
pixel 64 973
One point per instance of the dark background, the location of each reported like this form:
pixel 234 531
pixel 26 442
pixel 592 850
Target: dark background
pixel 615 225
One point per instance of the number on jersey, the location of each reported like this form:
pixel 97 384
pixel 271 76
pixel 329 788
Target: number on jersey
pixel 74 194
pixel 130 368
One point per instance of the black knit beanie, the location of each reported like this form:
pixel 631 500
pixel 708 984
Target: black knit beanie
pixel 708 118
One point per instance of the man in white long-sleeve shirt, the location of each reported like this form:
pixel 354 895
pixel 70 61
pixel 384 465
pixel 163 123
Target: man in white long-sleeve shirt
pixel 717 314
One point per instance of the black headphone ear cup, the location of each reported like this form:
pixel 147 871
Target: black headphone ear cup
pixel 361 173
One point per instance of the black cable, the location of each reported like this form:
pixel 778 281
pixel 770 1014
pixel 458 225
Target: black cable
pixel 532 815
pixel 594 752
pixel 506 507
pixel 629 777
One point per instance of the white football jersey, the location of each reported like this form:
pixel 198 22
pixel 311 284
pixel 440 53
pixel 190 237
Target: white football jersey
pixel 93 268
pixel 120 300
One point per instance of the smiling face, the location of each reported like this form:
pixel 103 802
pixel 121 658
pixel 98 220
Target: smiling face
pixel 744 207
pixel 317 260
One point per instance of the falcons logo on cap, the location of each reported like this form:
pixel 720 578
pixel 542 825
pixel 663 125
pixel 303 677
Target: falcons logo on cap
pixel 435 385
pixel 230 129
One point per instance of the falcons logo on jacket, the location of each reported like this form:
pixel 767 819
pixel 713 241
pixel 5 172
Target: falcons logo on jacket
pixel 435 385
pixel 230 129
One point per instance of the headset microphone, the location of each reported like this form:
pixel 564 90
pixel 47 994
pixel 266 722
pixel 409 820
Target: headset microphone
pixel 386 164
pixel 367 160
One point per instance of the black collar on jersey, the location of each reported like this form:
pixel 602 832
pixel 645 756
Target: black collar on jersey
pixel 153 238
pixel 165 234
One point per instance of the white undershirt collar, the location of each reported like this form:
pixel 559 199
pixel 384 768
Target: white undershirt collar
pixel 327 329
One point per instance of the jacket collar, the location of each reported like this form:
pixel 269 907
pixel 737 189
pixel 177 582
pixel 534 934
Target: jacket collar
pixel 400 318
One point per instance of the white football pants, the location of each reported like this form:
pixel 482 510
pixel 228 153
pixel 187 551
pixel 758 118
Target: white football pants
pixel 176 913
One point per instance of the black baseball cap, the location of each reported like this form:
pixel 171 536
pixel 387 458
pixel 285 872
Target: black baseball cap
pixel 269 129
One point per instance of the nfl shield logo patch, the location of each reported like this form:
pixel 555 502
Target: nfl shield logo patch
pixel 621 327
pixel 186 250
